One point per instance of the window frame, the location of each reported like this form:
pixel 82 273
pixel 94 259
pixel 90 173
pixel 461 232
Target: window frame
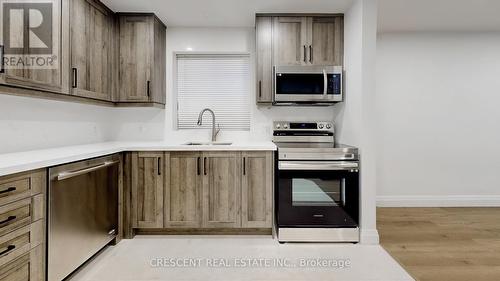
pixel 175 94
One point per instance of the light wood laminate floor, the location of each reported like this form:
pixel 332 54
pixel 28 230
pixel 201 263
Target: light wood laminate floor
pixel 443 243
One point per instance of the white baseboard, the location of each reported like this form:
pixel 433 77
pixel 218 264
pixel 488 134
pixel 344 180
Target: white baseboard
pixel 369 236
pixel 439 201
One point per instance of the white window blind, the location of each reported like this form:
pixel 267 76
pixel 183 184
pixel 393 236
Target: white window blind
pixel 218 82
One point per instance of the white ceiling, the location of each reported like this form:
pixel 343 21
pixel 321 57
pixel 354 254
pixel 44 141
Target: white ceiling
pixel 394 15
pixel 439 15
pixel 219 13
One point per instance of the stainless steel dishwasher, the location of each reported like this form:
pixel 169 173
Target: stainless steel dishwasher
pixel 82 212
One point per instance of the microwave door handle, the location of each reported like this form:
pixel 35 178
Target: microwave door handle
pixel 274 82
pixel 325 84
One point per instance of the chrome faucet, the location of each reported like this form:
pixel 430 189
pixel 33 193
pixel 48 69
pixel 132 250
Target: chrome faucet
pixel 215 132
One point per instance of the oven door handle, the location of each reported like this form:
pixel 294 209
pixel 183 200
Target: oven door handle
pixel 318 165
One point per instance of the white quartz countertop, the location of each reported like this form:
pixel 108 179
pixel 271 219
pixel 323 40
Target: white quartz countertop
pixel 30 160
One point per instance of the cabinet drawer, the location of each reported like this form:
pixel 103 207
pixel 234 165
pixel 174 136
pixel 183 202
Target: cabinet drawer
pixel 21 213
pixel 20 186
pixel 27 267
pixel 14 245
pixel 21 241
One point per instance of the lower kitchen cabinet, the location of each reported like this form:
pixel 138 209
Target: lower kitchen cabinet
pixel 147 189
pixel 30 266
pixel 257 190
pixel 221 189
pixel 182 207
pixel 22 226
pixel 198 191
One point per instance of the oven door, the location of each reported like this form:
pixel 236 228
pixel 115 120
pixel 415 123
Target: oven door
pixel 307 84
pixel 318 194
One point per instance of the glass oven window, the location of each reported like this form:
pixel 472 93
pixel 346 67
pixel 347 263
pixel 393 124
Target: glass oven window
pixel 316 192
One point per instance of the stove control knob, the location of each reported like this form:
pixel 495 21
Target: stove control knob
pixel 320 126
pixel 328 126
pixel 278 126
pixel 285 126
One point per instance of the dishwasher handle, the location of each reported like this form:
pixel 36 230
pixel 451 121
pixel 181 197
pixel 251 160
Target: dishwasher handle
pixel 67 175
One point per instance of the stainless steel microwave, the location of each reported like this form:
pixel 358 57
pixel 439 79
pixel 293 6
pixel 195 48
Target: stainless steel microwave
pixel 307 84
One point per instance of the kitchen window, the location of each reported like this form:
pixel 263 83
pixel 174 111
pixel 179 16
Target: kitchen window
pixel 220 82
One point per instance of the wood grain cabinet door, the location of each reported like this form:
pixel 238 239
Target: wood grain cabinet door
pixel 38 61
pixel 147 189
pixel 158 89
pixel 264 41
pixel 136 57
pixel 221 189
pixel 325 40
pixel 182 207
pixel 257 190
pixel 91 54
pixel 30 266
pixel 290 41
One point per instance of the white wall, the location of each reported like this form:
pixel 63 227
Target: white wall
pixel 439 97
pixel 227 40
pixel 138 124
pixel 356 115
pixel 30 123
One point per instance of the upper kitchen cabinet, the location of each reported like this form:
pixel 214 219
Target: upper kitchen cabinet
pixel 326 40
pixel 37 63
pixel 308 40
pixel 264 41
pixel 290 40
pixel 142 59
pixel 91 53
pixel 297 40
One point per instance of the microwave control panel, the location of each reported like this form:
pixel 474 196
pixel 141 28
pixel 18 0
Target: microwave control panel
pixel 334 84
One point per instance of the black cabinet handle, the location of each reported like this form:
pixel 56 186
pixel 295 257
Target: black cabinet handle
pixel 10 189
pixel 75 78
pixel 148 88
pixel 310 54
pixel 10 218
pixel 305 59
pixel 159 166
pixel 2 55
pixel 244 165
pixel 260 88
pixel 205 166
pixel 198 165
pixel 9 249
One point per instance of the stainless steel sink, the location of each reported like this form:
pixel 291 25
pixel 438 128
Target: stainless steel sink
pixel 208 143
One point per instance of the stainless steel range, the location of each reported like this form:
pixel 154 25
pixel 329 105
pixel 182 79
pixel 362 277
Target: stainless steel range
pixel 317 184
